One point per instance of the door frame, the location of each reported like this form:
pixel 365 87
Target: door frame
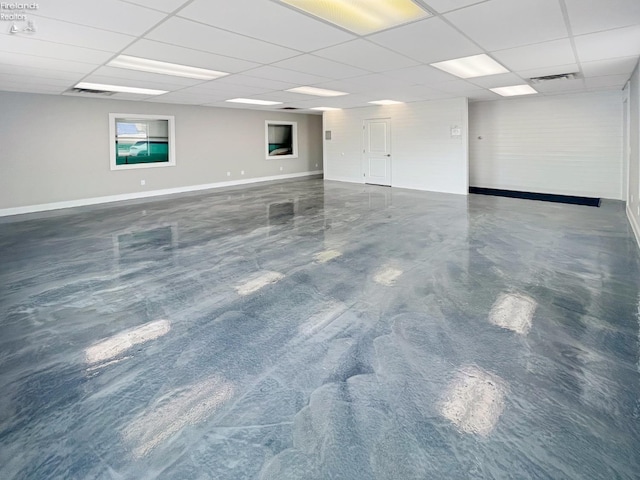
pixel 363 163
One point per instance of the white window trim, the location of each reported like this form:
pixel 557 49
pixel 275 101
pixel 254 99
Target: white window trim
pixel 294 140
pixel 112 143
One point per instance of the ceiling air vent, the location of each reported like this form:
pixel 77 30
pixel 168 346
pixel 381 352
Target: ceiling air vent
pixel 559 76
pixel 90 91
pixel 289 108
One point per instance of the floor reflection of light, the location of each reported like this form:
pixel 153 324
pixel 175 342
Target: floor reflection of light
pixel 326 256
pixel 474 400
pixel 514 312
pixel 123 341
pixel 257 283
pixel 322 318
pixel 172 412
pixel 387 276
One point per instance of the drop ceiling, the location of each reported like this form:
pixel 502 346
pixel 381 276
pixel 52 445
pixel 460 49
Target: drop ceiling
pixel 268 48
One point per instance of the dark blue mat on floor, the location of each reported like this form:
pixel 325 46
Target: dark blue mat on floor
pixel 544 197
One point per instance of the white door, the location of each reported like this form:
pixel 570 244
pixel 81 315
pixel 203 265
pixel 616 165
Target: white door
pixel 377 151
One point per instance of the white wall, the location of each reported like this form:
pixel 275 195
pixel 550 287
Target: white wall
pixel 633 203
pixel 563 144
pixel 424 155
pixel 55 151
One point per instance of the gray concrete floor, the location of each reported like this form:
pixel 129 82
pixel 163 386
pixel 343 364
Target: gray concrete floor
pixel 320 330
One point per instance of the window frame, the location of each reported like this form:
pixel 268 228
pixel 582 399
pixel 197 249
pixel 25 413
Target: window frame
pixel 171 149
pixel 294 139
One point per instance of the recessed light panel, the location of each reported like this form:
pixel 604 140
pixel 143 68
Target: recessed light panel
pixel 386 102
pixel 325 109
pixel 164 68
pixel 514 90
pixel 470 67
pixel 362 16
pixel 253 101
pixel 318 92
pixel 119 88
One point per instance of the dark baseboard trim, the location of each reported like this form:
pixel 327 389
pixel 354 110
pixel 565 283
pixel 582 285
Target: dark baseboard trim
pixel 543 197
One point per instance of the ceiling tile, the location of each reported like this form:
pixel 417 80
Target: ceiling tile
pixel 6 79
pixel 214 88
pixel 366 55
pixel 44 63
pixel 39 48
pixel 607 81
pixel 194 35
pixel 181 97
pixel 588 16
pixel 187 56
pixel 70 34
pixel 347 101
pixel 129 82
pixel 269 21
pixel 31 88
pixel 163 5
pixel 622 42
pixel 427 41
pixel 412 93
pixel 283 75
pixel 501 24
pixel 540 55
pixel 442 6
pixel 422 74
pixel 495 81
pixel 40 72
pixel 245 80
pixel 155 78
pixel 458 87
pixel 368 83
pixel 314 65
pixel 283 97
pixel 483 96
pixel 560 86
pixel 111 15
pixel 615 66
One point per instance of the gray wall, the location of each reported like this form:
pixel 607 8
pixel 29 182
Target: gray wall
pixel 633 203
pixel 56 149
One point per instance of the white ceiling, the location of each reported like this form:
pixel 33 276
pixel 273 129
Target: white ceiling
pixel 268 48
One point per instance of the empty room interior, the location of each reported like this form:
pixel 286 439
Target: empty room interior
pixel 332 239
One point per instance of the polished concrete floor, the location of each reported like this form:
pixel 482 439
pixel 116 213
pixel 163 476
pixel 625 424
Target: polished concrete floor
pixel 319 330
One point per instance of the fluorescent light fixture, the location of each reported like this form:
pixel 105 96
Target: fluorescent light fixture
pixel 318 92
pixel 164 68
pixel 119 88
pixel 514 90
pixel 386 102
pixel 469 67
pixel 325 109
pixel 253 101
pixel 362 16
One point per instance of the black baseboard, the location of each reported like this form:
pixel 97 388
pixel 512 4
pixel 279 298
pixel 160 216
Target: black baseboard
pixel 543 197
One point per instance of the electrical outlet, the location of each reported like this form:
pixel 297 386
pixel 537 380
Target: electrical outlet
pixel 143 182
pixel 228 174
pixel 316 165
pixel 241 172
pixel 281 167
